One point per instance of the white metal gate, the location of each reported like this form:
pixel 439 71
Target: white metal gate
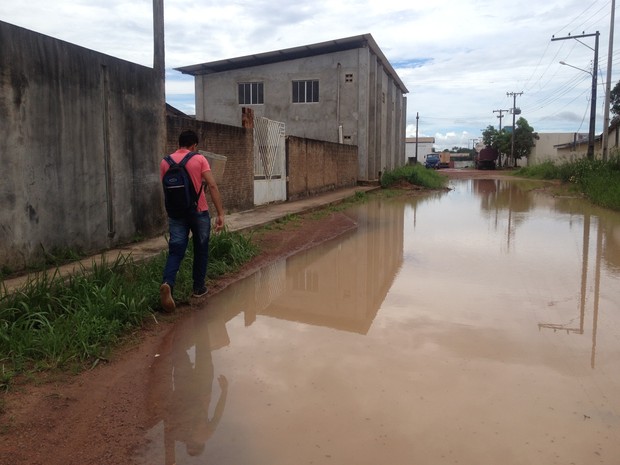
pixel 269 161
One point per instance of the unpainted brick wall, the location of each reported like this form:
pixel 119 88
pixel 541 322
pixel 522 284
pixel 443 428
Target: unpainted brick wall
pixel 237 188
pixel 316 166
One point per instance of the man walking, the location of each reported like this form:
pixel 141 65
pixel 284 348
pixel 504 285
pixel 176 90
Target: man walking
pixel 198 221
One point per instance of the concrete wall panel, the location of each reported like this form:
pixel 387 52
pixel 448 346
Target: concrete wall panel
pixel 317 166
pixel 80 140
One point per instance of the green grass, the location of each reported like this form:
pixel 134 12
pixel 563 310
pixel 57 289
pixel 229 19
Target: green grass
pixel 414 174
pixel 55 323
pixel 599 180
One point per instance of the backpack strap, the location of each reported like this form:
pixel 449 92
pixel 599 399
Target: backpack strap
pixel 187 157
pixel 182 164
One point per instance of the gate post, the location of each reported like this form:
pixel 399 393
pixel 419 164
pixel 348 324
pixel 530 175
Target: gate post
pixel 247 118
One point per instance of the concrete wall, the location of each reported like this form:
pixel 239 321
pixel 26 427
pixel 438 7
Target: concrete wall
pixel 318 166
pixel 545 148
pixel 369 105
pixel 80 141
pixel 568 146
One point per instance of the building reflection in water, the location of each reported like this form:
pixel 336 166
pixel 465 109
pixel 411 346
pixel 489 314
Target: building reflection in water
pixel 339 284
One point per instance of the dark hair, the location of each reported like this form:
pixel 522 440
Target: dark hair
pixel 188 138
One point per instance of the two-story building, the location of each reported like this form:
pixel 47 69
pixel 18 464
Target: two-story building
pixel 342 91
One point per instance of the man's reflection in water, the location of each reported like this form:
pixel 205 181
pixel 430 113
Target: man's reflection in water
pixel 182 389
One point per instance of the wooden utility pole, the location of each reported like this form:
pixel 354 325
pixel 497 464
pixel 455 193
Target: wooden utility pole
pixel 500 116
pixel 514 129
pixel 417 117
pixel 610 53
pixel 159 61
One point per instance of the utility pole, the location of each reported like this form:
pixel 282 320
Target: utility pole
pixel 512 136
pixel 610 53
pixel 594 74
pixel 417 117
pixel 500 116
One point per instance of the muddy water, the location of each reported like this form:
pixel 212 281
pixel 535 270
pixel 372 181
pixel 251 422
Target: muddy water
pixel 478 326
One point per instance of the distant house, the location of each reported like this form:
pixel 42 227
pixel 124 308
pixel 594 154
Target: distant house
pixel 343 90
pixel 568 146
pixel 423 146
pixel 554 146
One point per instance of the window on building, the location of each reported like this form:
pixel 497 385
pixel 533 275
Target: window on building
pixel 251 93
pixel 305 91
pixel 306 280
pixel 348 77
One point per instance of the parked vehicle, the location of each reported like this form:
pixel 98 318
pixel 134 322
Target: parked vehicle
pixel 487 158
pixel 432 161
pixel 444 160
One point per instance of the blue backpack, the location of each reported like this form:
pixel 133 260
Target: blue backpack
pixel 179 194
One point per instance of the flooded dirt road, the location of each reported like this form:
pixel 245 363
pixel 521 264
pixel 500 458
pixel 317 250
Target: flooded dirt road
pixel 475 326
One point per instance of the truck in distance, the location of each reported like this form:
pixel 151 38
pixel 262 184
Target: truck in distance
pixel 432 161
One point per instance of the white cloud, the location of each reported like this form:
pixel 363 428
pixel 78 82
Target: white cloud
pixel 458 58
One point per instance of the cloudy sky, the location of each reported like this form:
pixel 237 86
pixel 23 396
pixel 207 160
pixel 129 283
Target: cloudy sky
pixel 458 58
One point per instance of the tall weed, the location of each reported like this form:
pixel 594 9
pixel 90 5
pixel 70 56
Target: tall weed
pixel 599 180
pixel 54 322
pixel 414 174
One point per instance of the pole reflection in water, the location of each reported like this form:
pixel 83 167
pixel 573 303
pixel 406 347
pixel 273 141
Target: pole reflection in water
pixel 568 327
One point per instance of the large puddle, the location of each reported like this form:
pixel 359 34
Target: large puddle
pixel 478 326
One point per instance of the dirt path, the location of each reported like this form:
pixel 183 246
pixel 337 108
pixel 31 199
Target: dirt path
pixel 98 416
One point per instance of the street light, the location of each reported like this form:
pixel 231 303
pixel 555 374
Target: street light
pixel 580 69
pixel 592 102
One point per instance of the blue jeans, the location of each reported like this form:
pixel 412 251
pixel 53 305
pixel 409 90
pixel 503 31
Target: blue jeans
pixel 199 223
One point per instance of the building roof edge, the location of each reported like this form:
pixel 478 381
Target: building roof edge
pixel 276 56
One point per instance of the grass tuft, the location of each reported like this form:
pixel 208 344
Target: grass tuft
pixel 414 174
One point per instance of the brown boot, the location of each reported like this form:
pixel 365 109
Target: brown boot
pixel 165 294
